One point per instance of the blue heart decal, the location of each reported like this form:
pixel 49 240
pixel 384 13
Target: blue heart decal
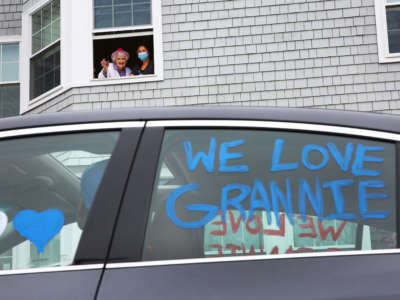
pixel 39 228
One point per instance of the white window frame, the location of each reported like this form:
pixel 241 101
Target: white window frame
pixel 76 47
pixel 382 35
pixel 13 39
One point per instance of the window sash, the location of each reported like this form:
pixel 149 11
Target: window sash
pixel 43 78
pixel 393 33
pixel 135 6
pixel 7 64
pixel 9 100
pixel 44 34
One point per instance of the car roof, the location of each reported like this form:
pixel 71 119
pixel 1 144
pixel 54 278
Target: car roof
pixel 384 122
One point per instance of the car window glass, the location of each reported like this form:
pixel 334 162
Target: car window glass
pixel 245 192
pixel 48 185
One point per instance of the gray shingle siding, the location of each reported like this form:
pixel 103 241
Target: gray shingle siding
pixel 10 17
pixel 290 53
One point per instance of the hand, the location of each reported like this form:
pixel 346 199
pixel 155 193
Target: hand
pixel 104 63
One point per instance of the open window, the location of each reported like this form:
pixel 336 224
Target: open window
pixel 59 53
pixel 388 29
pixel 127 25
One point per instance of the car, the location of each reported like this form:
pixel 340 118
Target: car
pixel 200 203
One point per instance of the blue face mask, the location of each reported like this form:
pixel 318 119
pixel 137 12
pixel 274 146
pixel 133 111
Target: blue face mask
pixel 143 56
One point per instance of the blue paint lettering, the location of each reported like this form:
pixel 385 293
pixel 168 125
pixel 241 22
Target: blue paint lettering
pixel 336 189
pixel 342 161
pixel 306 162
pixel 315 199
pixel 278 197
pixel 224 156
pixel 211 210
pixel 259 199
pixel 363 196
pixel 276 157
pixel 244 191
pixel 206 159
pixel 358 164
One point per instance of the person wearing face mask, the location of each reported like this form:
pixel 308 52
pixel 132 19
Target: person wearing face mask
pixel 146 66
pixel 118 66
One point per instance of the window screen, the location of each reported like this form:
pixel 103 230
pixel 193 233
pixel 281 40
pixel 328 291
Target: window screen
pixel 246 192
pixel 48 185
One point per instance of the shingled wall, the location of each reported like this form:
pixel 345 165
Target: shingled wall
pixel 291 53
pixel 10 17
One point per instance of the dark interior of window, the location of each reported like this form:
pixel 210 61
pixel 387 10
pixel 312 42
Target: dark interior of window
pixel 9 100
pixel 393 24
pixel 103 48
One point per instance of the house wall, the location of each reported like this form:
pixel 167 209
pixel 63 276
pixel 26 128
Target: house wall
pixel 290 53
pixel 10 17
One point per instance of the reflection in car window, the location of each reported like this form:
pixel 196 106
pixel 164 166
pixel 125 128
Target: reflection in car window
pixel 46 195
pixel 248 192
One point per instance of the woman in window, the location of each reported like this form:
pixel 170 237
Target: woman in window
pixel 118 66
pixel 147 65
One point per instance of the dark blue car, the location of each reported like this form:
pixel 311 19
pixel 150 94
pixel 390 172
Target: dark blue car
pixel 231 203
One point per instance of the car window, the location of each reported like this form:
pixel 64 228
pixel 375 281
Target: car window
pixel 47 188
pixel 245 192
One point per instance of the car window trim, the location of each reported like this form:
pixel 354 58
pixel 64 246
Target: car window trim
pixel 52 269
pixel 70 128
pixel 315 128
pixel 141 264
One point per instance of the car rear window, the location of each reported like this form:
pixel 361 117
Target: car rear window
pixel 48 185
pixel 221 192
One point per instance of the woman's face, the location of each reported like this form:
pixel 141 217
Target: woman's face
pixel 142 49
pixel 120 61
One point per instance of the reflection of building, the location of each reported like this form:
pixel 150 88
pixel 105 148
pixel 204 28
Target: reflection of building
pixel 335 54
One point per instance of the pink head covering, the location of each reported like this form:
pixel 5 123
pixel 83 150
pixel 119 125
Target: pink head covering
pixel 119 51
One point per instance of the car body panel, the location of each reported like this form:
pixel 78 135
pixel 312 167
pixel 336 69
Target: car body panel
pixel 114 234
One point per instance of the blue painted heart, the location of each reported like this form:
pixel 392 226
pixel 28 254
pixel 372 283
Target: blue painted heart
pixel 39 228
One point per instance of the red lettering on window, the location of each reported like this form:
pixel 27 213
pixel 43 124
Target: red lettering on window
pixel 258 225
pixel 310 225
pixel 233 248
pixel 275 250
pixel 234 224
pixel 280 231
pixel 219 232
pixel 289 250
pixel 300 250
pixel 324 232
pixel 217 246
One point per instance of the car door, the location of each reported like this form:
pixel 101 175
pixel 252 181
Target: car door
pixel 61 188
pixel 221 209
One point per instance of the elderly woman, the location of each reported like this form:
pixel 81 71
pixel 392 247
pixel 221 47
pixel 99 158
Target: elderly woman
pixel 118 66
pixel 146 66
